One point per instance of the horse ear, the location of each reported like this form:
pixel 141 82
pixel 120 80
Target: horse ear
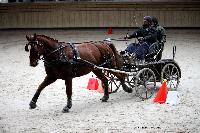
pixel 27 37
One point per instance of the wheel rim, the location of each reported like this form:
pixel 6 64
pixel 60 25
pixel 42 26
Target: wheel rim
pixel 171 73
pixel 145 83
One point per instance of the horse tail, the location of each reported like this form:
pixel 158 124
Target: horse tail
pixel 111 45
pixel 108 51
pixel 118 58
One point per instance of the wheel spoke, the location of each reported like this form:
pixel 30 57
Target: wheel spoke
pixel 145 82
pixel 148 73
pixel 140 81
pixel 176 73
pixel 132 79
pixel 116 84
pixel 113 82
pixel 172 84
pixel 168 70
pixel 171 73
pixel 149 79
pixel 166 75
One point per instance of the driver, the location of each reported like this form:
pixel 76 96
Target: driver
pixel 146 36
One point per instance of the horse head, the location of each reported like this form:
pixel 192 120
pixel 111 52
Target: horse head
pixel 36 49
pixel 40 45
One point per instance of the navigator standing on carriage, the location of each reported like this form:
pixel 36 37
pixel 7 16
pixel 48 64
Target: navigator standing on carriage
pixel 161 36
pixel 146 35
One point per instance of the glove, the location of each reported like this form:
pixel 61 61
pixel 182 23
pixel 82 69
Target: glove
pixel 140 39
pixel 122 52
pixel 127 36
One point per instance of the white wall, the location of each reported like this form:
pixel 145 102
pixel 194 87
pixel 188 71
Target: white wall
pixel 3 1
pixel 102 14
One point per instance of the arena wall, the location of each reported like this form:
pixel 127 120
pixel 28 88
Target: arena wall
pixel 97 14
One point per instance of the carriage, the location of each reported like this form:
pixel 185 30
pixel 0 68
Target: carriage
pixel 142 76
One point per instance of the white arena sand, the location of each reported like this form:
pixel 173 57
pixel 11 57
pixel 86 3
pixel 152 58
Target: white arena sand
pixel 122 113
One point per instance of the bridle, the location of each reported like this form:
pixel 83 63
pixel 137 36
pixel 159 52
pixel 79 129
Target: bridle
pixel 33 44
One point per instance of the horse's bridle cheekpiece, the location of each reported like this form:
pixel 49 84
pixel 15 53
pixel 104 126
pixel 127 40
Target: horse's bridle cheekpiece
pixel 32 43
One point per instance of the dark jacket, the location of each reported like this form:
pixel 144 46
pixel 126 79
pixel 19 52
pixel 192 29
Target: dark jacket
pixel 161 34
pixel 149 34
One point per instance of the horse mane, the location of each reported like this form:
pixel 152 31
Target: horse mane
pixel 48 37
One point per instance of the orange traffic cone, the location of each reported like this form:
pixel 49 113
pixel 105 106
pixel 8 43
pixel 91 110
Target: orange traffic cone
pixel 92 84
pixel 162 93
pixel 100 87
pixel 110 30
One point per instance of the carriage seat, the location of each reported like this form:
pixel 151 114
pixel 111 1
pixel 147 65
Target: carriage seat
pixel 154 50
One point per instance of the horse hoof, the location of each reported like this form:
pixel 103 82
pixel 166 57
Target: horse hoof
pixel 127 89
pixel 104 99
pixel 65 110
pixel 32 105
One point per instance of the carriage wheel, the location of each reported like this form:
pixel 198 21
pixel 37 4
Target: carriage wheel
pixel 130 79
pixel 145 83
pixel 113 82
pixel 170 72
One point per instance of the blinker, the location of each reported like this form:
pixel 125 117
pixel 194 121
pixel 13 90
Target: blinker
pixel 26 48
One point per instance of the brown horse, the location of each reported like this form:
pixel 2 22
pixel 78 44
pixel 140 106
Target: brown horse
pixel 65 61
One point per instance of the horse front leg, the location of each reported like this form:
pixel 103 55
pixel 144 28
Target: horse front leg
pixel 68 83
pixel 47 81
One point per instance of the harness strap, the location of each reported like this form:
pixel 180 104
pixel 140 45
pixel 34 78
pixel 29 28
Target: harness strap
pixel 76 54
pixel 62 55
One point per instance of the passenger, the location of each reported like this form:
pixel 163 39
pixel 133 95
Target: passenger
pixel 146 36
pixel 161 36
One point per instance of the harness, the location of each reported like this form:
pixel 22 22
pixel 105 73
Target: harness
pixel 62 58
pixel 76 61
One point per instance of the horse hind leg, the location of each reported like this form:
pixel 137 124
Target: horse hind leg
pixel 104 80
pixel 47 81
pixel 68 83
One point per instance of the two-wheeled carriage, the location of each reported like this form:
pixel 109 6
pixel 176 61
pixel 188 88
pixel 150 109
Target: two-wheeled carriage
pixel 142 76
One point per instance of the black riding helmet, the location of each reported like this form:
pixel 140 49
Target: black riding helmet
pixel 154 20
pixel 148 19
